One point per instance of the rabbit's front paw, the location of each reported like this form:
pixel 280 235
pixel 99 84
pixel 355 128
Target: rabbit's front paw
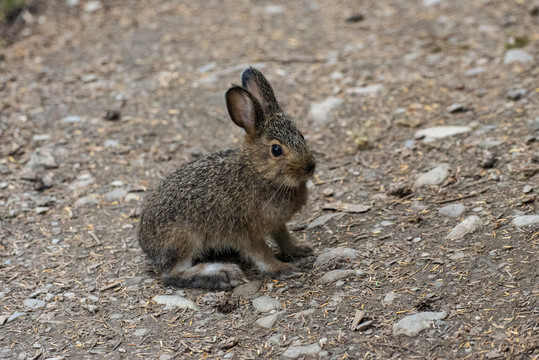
pixel 298 250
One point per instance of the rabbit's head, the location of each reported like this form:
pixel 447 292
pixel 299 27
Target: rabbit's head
pixel 273 143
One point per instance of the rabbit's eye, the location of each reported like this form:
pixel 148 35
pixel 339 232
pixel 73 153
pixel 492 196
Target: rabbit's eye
pixel 276 150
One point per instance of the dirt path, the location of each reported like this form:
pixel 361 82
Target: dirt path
pixel 100 100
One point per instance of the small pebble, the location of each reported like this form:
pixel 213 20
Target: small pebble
pixel 297 351
pixel 412 325
pixel 434 176
pixel 525 220
pixel 266 304
pixel 467 226
pixel 71 119
pixel 452 210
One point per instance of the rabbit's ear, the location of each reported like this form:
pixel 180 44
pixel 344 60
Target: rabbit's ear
pixel 243 109
pixel 259 87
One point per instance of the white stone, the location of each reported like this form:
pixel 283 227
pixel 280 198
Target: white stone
pixel 452 210
pixel 413 324
pixel 266 304
pixel 34 303
pixel 517 55
pixel 297 351
pixel 467 226
pixel 390 296
pixel 173 300
pixel 274 9
pixel 370 90
pixel 435 176
pixel 116 194
pixel 267 322
pixel 319 112
pixel 92 6
pixel 71 119
pixel 339 274
pixel 440 132
pixel 335 254
pixel 86 200
pixel 526 220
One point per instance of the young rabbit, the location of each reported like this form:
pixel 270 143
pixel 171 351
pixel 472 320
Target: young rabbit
pixel 232 199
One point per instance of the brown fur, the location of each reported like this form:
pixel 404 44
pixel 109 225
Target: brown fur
pixel 232 199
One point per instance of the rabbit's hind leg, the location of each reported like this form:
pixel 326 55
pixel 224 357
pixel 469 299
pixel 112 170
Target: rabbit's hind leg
pixel 208 276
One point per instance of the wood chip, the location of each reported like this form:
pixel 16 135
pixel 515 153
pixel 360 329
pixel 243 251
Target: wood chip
pixel 357 318
pixel 110 286
pixel 349 208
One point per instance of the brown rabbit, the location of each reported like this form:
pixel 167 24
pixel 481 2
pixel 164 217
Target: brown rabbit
pixel 232 199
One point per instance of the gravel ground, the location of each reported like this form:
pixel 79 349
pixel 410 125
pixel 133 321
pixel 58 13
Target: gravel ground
pixel 423 212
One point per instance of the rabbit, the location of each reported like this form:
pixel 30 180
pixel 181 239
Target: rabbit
pixel 232 199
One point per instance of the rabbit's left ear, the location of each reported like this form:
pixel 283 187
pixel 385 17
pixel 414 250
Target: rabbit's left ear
pixel 259 87
pixel 244 109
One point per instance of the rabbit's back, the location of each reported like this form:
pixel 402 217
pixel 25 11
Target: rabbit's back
pixel 220 195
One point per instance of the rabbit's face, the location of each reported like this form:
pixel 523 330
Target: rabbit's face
pixel 282 154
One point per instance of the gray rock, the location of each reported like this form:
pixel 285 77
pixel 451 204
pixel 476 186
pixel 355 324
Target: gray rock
pixel 413 324
pixel 91 308
pixel 116 194
pixel 267 322
pixel 429 3
pixel 516 94
pixel 34 303
pixel 86 201
pixel 467 226
pixel 527 189
pixel 335 275
pixel 525 220
pixel 475 71
pixel 322 220
pixel 370 90
pixel 174 300
pixel 15 315
pixel 41 209
pixel 71 119
pixel 390 296
pixel 274 9
pixel 304 313
pixel 92 6
pixel 435 176
pixel 266 304
pixel 457 256
pixel 3 185
pixel 248 290
pixel 319 112
pixel 297 351
pixel 440 132
pixel 455 108
pixel 41 158
pixel 331 255
pixel 490 143
pixel 41 137
pixel 140 332
pixel 452 210
pixel 517 55
pixel 82 181
pixel 111 143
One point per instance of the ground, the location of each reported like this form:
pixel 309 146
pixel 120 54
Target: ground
pixel 100 100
